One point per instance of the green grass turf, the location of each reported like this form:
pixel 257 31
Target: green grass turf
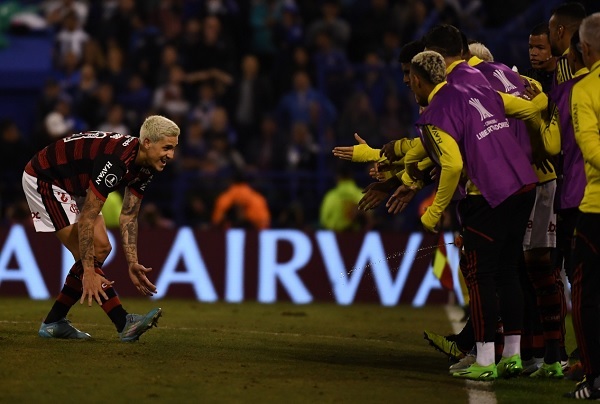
pixel 243 353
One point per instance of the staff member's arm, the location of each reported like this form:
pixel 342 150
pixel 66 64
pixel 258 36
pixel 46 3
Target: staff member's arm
pixel 451 164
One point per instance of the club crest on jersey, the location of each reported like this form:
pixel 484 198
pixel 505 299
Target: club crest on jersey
pixel 111 180
pixel 483 113
pixel 103 172
pixel 508 86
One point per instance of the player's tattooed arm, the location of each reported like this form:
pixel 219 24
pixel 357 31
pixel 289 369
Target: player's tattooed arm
pixel 92 282
pixel 129 226
pixel 129 235
pixel 85 225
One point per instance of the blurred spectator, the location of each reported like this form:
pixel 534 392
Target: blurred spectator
pixel 220 127
pixel 288 31
pixel 120 23
pixel 194 148
pixel 16 153
pixel 115 121
pixel 339 207
pixel 241 206
pixel 116 72
pixel 84 95
pixel 55 11
pixel 389 51
pixel 333 69
pixel 212 59
pixel 60 122
pixel 301 104
pixel 169 98
pixel 375 82
pixel 267 151
pixel 103 100
pixel 136 100
pixel 94 55
pixel 302 150
pixel 204 108
pixel 68 73
pixel 370 26
pixel 331 22
pixel 359 117
pixel 151 217
pixel 254 97
pixel 169 57
pixel 262 20
pixel 71 37
pixel 396 119
pixel 287 64
pixel 45 104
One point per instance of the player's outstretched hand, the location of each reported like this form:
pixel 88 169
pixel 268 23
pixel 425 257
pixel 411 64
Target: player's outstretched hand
pixel 347 152
pixel 374 195
pixel 400 199
pixel 137 274
pixel 93 287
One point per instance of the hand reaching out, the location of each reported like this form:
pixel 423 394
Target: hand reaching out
pixel 400 199
pixel 137 274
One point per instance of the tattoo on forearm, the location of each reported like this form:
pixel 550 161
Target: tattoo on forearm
pixel 87 217
pixel 129 226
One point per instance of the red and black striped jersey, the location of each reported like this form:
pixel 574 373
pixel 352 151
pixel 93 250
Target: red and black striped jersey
pixel 100 161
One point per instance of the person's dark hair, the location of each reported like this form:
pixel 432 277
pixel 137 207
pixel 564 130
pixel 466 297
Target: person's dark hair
pixel 410 50
pixel 570 13
pixel 575 44
pixel 540 29
pixel 444 39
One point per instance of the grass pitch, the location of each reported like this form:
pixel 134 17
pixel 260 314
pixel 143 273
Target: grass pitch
pixel 244 353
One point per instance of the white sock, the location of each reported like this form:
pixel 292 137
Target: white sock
pixel 512 345
pixel 486 353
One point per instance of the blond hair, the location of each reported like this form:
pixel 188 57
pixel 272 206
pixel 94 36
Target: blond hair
pixel 155 127
pixel 481 51
pixel 589 31
pixel 430 65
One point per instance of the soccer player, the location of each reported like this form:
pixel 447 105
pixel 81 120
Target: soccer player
pixel 585 112
pixel 563 23
pixel 543 63
pixel 66 185
pixel 464 127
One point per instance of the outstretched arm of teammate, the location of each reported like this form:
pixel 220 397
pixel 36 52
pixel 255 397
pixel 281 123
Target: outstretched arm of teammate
pixel 360 153
pixel 92 282
pixel 397 149
pixel 129 236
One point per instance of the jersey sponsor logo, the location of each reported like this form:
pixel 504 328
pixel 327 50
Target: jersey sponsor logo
pixel 483 113
pixel 127 141
pixel 35 215
pixel 111 180
pixel 86 135
pixel 103 172
pixel 508 86
pixel 116 136
pixel 74 208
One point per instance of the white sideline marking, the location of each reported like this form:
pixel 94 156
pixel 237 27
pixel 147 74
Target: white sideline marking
pixel 479 392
